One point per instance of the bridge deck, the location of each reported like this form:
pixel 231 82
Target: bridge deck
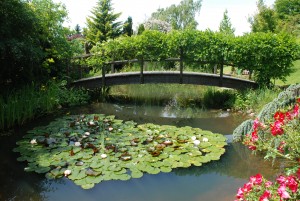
pixel 165 77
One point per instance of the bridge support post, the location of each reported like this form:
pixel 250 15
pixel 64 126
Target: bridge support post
pixel 221 74
pixel 112 66
pixel 142 71
pixel 181 66
pixel 103 78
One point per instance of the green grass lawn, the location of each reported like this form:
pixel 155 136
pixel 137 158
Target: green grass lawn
pixel 294 76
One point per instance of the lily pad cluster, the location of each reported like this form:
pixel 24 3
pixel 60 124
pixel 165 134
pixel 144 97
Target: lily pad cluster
pixel 89 149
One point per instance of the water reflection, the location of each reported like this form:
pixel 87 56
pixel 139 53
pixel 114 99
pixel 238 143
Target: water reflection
pixel 215 181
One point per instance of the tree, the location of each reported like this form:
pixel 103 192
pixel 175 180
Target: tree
pixel 180 17
pixel 225 25
pixel 77 29
pixel 20 48
pixel 141 29
pixel 102 25
pixel 288 12
pixel 127 27
pixel 265 20
pixel 51 17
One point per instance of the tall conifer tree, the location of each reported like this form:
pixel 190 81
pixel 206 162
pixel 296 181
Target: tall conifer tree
pixel 103 24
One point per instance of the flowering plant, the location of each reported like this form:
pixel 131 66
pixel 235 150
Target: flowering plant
pixel 280 137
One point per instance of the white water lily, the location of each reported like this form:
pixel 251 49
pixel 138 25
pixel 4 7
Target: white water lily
pixel 77 144
pixel 196 142
pixel 67 172
pixel 87 133
pixel 33 141
pixel 205 139
pixel 110 128
pixel 193 138
pixel 103 155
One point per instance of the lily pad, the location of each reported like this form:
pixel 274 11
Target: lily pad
pixel 95 148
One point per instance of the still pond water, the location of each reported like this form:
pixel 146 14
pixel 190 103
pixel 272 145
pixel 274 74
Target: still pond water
pixel 215 181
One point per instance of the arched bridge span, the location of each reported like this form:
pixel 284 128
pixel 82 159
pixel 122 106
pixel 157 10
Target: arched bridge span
pixel 164 77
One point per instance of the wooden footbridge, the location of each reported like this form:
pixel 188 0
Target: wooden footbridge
pixel 164 77
pixel 172 77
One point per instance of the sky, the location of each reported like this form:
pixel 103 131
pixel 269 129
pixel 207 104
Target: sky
pixel 210 15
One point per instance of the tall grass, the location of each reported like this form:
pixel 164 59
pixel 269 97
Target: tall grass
pixel 32 100
pixel 182 94
pixel 254 100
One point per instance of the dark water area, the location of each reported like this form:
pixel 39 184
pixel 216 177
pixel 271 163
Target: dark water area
pixel 214 181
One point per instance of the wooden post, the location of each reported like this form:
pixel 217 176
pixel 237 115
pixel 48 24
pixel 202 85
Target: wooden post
pixel 103 78
pixel 221 74
pixel 142 71
pixel 181 66
pixel 112 65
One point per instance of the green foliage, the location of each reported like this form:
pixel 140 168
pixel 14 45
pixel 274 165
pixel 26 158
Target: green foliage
pixel 141 29
pixel 33 100
pixel 270 56
pixel 267 56
pixel 225 24
pixel 283 99
pixel 264 20
pixel 127 27
pixel 181 16
pixel 21 52
pixel 102 25
pixel 218 99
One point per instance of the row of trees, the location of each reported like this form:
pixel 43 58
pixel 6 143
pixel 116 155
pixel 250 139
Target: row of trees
pixel 270 56
pixel 284 16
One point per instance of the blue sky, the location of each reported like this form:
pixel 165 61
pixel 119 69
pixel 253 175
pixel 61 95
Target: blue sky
pixel 210 15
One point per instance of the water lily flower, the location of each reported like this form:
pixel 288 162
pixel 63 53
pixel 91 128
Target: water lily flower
pixel 193 138
pixel 205 139
pixel 77 144
pixel 87 133
pixel 103 156
pixel 110 128
pixel 196 142
pixel 33 141
pixel 67 172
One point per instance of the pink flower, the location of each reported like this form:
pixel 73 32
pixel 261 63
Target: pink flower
pixel 282 192
pixel 240 194
pixel 247 187
pixel 256 180
pixel 265 196
pixel 281 180
pixel 268 184
pixel 296 110
pixel 256 124
pixel 276 128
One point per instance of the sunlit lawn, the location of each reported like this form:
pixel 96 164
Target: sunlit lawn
pixel 294 76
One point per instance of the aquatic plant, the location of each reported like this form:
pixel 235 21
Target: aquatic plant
pixel 89 149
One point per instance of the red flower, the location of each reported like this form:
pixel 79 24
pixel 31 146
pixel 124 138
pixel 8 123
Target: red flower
pixel 254 136
pixel 276 128
pixel 257 179
pixel 279 116
pixel 288 116
pixel 292 183
pixel 265 196
pixel 252 147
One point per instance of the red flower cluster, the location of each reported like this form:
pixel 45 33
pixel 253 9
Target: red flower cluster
pixel 281 118
pixel 284 187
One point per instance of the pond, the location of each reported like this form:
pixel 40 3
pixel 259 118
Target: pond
pixel 218 180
